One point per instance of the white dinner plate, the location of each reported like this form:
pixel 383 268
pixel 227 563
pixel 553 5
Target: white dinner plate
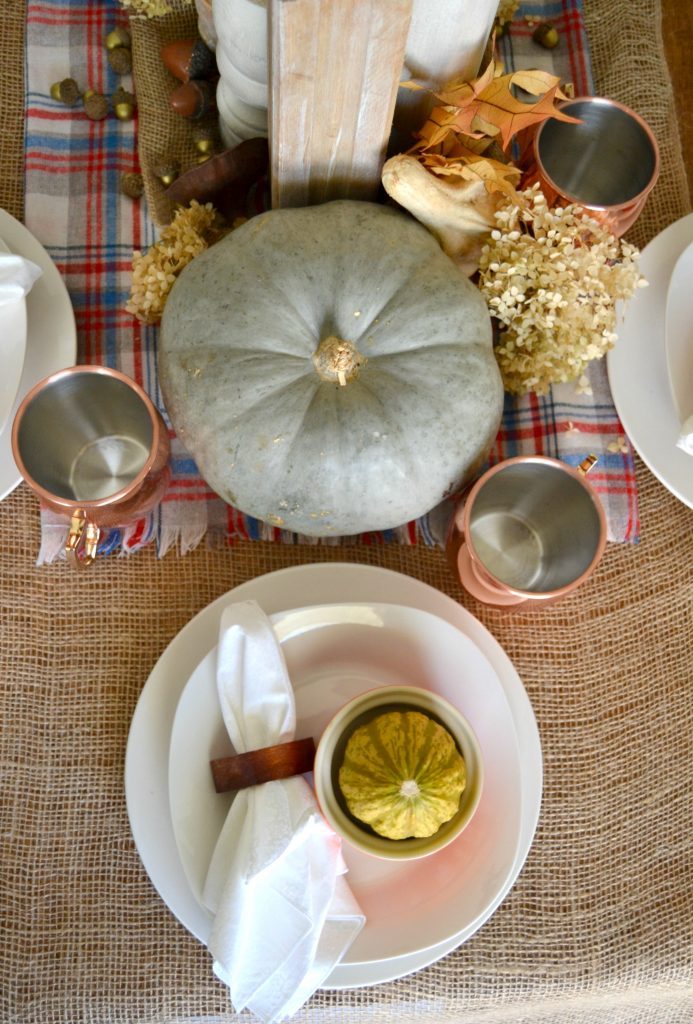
pixel 51 336
pixel 334 653
pixel 12 348
pixel 678 334
pixel 146 763
pixel 637 366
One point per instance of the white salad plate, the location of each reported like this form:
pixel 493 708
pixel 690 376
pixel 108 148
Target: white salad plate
pixel 638 366
pixel 12 348
pixel 148 749
pixel 51 336
pixel 678 333
pixel 333 654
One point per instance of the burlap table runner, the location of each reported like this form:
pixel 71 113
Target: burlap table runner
pixel 597 929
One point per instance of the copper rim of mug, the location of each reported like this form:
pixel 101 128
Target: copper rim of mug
pixel 612 207
pixel 506 588
pixel 111 499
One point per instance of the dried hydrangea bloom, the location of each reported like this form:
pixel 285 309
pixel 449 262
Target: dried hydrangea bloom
pixel 151 8
pixel 506 11
pixel 154 272
pixel 551 277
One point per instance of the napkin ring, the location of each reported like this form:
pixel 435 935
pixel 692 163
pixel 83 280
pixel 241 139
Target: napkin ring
pixel 280 761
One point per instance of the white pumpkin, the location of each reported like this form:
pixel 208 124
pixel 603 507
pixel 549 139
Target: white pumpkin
pixel 330 369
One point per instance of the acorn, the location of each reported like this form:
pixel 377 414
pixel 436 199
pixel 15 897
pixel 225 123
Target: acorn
pixel 546 35
pixel 118 37
pixel 132 184
pixel 120 60
pixel 95 105
pixel 203 140
pixel 124 104
pixel 166 171
pixel 188 59
pixel 192 100
pixel 66 92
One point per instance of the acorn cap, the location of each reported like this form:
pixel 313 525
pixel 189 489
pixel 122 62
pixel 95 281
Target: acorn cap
pixel 95 106
pixel 120 60
pixel 66 92
pixel 132 184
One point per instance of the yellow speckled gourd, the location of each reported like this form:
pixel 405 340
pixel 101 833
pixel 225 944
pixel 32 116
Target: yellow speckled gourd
pixel 402 774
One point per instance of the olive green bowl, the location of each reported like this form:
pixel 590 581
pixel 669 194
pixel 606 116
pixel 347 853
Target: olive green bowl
pixel 330 755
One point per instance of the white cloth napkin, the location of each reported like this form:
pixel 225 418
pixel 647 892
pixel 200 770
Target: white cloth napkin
pixel 17 277
pixel 284 915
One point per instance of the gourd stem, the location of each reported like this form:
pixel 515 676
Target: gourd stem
pixel 409 788
pixel 337 360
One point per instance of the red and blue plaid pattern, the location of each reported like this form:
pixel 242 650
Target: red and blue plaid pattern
pixel 75 208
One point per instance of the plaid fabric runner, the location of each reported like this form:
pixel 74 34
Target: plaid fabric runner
pixel 74 207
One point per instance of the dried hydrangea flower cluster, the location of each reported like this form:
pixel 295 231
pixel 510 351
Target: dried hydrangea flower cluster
pixel 154 272
pixel 552 277
pixel 506 11
pixel 150 8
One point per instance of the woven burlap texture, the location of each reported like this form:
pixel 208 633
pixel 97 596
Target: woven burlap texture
pixel 163 136
pixel 597 929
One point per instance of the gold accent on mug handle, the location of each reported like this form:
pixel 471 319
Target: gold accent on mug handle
pixel 82 540
pixel 587 464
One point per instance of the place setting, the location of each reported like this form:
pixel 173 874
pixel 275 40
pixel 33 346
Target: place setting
pixel 386 631
pixel 337 490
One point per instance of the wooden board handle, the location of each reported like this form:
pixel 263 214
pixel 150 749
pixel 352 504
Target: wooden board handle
pixel 278 762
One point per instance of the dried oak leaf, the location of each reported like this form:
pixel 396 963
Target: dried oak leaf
pixel 496 176
pixel 486 106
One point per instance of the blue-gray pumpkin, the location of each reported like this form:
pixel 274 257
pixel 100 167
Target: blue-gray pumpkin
pixel 330 369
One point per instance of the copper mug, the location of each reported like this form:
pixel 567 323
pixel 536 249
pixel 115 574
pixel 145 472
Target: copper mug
pixel 530 531
pixel 94 448
pixel 607 164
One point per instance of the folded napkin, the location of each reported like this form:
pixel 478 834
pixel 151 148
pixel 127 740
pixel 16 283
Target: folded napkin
pixel 17 277
pixel 284 915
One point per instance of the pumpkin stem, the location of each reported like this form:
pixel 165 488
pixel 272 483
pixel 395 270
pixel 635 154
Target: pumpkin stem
pixel 338 360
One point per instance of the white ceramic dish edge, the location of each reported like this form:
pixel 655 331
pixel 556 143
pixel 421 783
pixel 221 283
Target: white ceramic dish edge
pixel 678 333
pixel 637 366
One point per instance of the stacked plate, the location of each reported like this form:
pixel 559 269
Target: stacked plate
pixel 651 366
pixel 344 629
pixel 37 336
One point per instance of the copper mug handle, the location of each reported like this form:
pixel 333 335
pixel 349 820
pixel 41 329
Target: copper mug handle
pixel 82 540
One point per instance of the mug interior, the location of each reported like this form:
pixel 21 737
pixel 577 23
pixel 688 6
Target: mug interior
pixel 608 160
pixel 534 527
pixel 85 436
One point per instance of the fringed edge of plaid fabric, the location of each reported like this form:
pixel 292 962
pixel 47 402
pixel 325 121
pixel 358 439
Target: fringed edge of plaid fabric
pixel 431 531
